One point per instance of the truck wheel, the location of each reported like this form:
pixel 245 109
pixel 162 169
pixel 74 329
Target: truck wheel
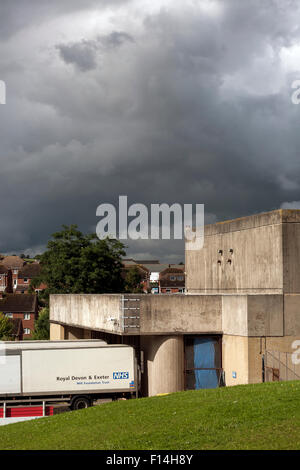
pixel 80 402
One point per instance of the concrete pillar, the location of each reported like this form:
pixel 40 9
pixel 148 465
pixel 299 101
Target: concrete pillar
pixel 235 359
pixel 57 332
pixel 164 364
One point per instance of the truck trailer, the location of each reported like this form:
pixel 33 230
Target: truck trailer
pixel 77 372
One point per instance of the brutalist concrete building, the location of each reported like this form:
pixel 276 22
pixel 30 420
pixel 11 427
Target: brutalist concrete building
pixel 236 324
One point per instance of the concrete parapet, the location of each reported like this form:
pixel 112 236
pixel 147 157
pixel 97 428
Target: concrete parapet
pixel 180 314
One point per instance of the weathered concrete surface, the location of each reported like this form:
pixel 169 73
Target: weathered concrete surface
pixel 241 315
pixel 180 314
pixel 244 356
pixel 291 257
pixel 99 311
pixel 235 359
pixel 164 364
pixel 235 315
pixel 275 345
pixel 256 349
pixel 158 314
pixel 291 314
pixel 265 315
pixel 57 332
pixel 252 315
pixel 284 344
pixel 255 254
pixel 239 256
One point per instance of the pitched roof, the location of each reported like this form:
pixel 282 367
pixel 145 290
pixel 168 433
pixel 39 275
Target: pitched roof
pixel 156 268
pixel 128 262
pixel 13 262
pixel 174 270
pixel 14 303
pixel 148 261
pixel 30 270
pixel 3 269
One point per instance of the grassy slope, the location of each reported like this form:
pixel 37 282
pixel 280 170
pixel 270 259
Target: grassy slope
pixel 262 416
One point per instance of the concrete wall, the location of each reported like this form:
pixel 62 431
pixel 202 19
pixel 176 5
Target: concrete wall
pixel 291 314
pixel 253 315
pixel 180 314
pixel 291 253
pixel 243 355
pixel 99 312
pixel 159 314
pixel 254 266
pixel 265 315
pixel 235 359
pixel 265 257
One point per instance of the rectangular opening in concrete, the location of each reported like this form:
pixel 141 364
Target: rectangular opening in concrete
pixel 202 361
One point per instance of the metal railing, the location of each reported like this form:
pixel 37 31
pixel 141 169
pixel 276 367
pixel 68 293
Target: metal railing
pixel 279 366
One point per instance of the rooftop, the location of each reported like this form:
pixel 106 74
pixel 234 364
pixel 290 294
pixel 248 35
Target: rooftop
pixel 14 303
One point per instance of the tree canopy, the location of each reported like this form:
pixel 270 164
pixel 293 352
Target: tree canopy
pixel 6 328
pixel 75 263
pixel 41 326
pixel 133 281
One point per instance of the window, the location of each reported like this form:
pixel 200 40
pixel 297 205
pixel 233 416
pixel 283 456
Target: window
pixel 26 331
pixel 180 278
pixel 25 279
pixel 172 278
pixel 9 315
pixel 15 282
pixel 26 316
pixel 15 271
pixel 168 291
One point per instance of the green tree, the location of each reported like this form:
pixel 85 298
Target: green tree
pixel 75 263
pixel 6 328
pixel 133 281
pixel 42 326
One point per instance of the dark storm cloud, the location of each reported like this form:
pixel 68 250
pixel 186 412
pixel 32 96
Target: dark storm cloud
pixel 187 103
pixel 83 54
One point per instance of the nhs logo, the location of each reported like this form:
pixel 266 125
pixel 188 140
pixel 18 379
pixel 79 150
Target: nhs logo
pixel 120 375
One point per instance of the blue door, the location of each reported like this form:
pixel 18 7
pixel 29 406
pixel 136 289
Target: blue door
pixel 202 362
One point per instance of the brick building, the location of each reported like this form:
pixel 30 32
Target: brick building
pixel 5 280
pixel 172 280
pixel 158 278
pixel 25 276
pixel 23 307
pixel 16 275
pixel 14 264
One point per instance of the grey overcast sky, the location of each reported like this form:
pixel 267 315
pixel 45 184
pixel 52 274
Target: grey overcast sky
pixel 161 100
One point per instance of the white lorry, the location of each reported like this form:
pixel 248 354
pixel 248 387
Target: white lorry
pixel 76 372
